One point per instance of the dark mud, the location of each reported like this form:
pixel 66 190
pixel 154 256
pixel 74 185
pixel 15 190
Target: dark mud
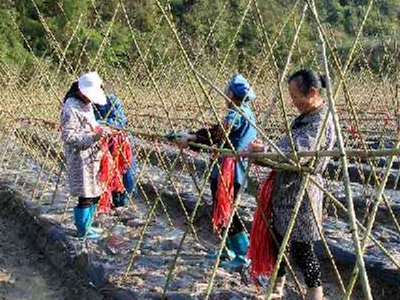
pixel 26 273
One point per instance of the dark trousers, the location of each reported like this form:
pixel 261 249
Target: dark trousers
pixel 236 225
pixel 86 202
pixel 304 256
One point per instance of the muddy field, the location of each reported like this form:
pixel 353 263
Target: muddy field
pixel 25 272
pixel 157 248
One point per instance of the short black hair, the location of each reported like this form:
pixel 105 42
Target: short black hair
pixel 307 79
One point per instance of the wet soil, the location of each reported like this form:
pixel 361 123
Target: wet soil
pixel 26 274
pixel 158 246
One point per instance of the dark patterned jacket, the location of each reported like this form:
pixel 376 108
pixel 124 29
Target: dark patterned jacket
pixel 305 130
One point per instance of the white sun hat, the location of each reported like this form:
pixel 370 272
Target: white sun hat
pixel 89 85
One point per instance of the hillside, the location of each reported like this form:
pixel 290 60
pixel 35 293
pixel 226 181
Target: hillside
pixel 41 22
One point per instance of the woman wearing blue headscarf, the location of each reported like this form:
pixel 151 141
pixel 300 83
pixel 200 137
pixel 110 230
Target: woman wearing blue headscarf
pixel 228 174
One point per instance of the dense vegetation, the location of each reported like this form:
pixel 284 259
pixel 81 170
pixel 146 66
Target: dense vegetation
pixel 23 29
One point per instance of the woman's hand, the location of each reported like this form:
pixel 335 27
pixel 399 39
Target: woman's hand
pixel 256 146
pixel 185 139
pixel 103 131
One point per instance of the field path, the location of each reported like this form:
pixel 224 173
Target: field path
pixel 24 272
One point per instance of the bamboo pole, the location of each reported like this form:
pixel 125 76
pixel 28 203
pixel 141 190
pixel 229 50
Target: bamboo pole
pixel 261 156
pixel 386 152
pixel 346 177
pixel 328 251
pixel 199 80
pixel 353 109
pixel 239 110
pixel 282 249
pixel 147 223
pixel 370 224
pixel 360 225
pixel 225 235
pixel 325 153
pixel 201 85
pixel 192 218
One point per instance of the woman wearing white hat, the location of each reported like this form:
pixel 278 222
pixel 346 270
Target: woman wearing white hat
pixel 80 133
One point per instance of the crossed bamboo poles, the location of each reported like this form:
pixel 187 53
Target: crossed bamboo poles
pixel 295 156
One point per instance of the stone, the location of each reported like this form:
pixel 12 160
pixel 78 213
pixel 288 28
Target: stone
pixel 98 274
pixel 33 207
pixel 134 223
pixel 155 279
pixel 57 234
pixel 177 296
pixel 4 276
pixel 114 242
pixel 120 230
pixel 121 294
pixel 45 209
pixel 226 295
pixel 157 289
pixel 169 245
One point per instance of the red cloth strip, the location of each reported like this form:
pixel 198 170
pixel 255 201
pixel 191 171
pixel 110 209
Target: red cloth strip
pixel 225 193
pixel 262 250
pixel 117 157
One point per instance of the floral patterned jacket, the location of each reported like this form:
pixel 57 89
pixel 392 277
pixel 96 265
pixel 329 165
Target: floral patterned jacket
pixel 305 130
pixel 81 149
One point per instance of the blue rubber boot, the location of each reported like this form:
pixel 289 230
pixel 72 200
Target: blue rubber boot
pixel 129 178
pixel 226 255
pixel 240 244
pixel 93 229
pixel 124 199
pixel 120 199
pixel 82 217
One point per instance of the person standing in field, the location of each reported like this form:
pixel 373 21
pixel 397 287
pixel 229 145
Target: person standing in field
pixel 81 133
pixel 112 114
pixel 282 187
pixel 228 174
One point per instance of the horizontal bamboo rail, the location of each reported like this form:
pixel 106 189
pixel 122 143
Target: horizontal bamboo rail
pixel 385 152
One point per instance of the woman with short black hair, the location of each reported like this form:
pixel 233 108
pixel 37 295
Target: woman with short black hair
pixel 305 88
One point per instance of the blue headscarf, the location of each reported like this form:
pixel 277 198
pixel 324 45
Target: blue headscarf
pixel 241 88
